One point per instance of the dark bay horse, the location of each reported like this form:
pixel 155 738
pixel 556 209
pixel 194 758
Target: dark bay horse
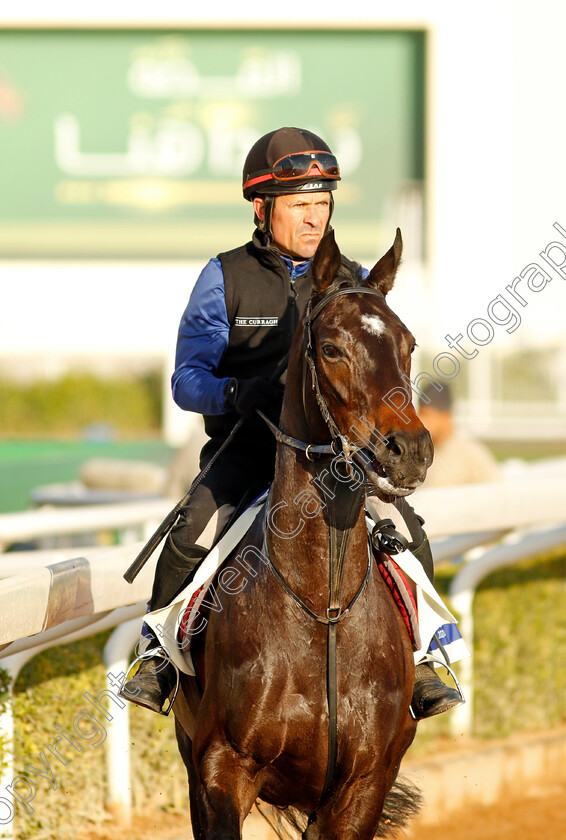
pixel 305 675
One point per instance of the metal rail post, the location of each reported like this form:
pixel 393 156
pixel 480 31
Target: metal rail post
pixel 118 764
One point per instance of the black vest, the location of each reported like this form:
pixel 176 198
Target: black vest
pixel 264 307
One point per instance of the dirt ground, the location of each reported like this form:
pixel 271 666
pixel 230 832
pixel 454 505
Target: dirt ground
pixel 536 813
pixel 539 815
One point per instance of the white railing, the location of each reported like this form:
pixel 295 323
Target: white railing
pixel 498 524
pixel 70 593
pixel 59 522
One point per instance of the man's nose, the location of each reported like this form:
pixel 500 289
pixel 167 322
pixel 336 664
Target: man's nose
pixel 311 216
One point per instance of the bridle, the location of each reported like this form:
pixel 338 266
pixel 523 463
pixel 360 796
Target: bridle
pixel 346 447
pixel 341 443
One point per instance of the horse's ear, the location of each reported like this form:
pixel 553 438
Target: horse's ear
pixel 382 275
pixel 326 262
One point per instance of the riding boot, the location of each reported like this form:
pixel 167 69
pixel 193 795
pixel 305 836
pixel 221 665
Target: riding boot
pixel 153 682
pixel 155 678
pixel 430 695
pixel 175 569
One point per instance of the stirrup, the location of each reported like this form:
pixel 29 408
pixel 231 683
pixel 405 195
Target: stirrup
pixel 161 653
pixel 429 657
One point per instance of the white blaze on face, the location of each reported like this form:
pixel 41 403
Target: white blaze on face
pixel 373 324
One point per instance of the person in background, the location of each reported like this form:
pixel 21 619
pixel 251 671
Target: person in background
pixel 458 459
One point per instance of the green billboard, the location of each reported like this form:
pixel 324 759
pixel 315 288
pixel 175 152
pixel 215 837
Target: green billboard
pixel 130 143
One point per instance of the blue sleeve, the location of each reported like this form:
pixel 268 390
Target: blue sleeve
pixel 201 342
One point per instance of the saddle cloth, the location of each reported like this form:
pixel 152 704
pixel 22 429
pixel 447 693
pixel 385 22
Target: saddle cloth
pixel 175 624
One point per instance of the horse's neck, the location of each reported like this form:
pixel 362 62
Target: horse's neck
pixel 316 526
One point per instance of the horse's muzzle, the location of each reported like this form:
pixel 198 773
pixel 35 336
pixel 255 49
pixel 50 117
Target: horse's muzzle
pixel 399 468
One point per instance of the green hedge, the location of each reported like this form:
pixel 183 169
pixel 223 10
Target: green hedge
pixel 48 698
pixel 519 651
pixel 520 668
pixel 68 405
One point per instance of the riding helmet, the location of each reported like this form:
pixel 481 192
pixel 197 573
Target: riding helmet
pixel 259 177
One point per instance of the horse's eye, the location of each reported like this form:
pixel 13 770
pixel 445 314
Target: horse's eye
pixel 413 348
pixel 330 350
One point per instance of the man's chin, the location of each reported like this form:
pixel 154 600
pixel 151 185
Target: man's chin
pixel 299 255
pixel 307 249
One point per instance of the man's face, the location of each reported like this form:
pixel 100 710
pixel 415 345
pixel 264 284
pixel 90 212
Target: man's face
pixel 298 222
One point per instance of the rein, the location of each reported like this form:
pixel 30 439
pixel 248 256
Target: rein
pixel 338 532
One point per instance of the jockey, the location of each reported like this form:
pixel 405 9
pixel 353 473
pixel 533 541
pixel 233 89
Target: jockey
pixel 234 334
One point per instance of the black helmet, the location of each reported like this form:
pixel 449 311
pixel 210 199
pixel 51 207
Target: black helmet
pixel 284 162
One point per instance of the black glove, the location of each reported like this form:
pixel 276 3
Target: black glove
pixel 245 395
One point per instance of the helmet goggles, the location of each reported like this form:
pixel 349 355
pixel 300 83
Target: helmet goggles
pixel 298 166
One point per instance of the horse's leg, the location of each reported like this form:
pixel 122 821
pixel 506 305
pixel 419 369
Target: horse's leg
pixel 355 808
pixel 226 792
pixel 186 749
pixel 351 814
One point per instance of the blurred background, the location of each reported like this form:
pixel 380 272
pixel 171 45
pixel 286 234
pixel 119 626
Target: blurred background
pixel 123 131
pixel 122 138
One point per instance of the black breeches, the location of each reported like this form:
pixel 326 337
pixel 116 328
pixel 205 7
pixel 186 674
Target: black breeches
pixel 230 477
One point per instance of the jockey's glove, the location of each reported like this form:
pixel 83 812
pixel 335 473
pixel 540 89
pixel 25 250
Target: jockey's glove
pixel 245 395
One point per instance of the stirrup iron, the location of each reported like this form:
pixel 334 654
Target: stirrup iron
pixel 429 657
pixel 161 653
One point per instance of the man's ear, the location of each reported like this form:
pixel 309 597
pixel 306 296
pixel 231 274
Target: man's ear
pixel 259 208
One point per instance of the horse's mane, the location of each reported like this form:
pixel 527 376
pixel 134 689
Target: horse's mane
pixel 349 274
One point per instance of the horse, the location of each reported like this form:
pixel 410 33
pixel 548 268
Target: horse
pixel 305 676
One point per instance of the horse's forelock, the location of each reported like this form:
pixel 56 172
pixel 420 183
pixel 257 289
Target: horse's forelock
pixel 348 277
pixel 349 274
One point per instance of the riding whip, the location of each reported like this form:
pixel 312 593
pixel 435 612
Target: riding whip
pixel 163 529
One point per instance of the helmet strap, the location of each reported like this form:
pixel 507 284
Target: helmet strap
pixel 331 210
pixel 265 226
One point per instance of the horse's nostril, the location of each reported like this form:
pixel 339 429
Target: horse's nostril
pixel 395 447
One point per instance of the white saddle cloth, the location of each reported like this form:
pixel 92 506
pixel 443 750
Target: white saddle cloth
pixel 165 622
